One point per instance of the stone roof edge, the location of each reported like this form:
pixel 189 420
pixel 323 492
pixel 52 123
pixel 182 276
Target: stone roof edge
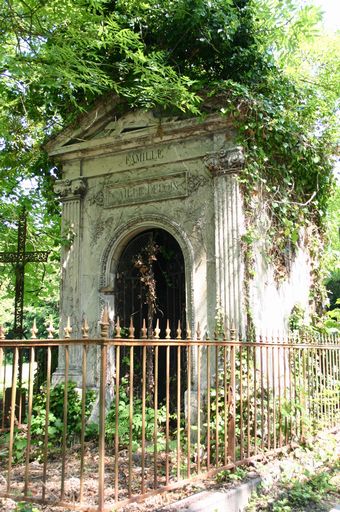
pixel 92 119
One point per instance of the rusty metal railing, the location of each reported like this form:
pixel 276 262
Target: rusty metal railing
pixel 209 405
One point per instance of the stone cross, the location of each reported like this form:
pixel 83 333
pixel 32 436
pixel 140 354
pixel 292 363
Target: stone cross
pixel 19 259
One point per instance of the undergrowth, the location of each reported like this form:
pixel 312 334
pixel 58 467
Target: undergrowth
pixel 306 480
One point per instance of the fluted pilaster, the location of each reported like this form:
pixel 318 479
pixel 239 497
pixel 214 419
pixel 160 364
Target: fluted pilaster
pixel 71 193
pixel 229 227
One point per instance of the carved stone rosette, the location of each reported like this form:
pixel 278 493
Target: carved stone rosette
pixel 226 161
pixel 71 189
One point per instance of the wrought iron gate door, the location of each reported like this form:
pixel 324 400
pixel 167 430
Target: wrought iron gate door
pixel 169 276
pixel 168 268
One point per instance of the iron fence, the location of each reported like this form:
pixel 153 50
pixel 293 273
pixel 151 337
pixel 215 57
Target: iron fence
pixel 205 406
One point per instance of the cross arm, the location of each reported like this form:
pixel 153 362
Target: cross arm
pixel 14 257
pixel 8 257
pixel 39 256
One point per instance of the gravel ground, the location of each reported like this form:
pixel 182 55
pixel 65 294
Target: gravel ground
pixel 272 471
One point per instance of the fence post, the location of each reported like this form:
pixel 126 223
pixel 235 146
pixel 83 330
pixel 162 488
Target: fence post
pixel 104 331
pixel 12 416
pixel 231 400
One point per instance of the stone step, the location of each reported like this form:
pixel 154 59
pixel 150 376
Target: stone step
pixel 234 500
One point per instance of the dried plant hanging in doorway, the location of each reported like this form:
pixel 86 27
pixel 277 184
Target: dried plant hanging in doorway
pixel 143 262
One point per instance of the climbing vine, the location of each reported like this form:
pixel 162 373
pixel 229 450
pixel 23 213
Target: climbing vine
pixel 287 178
pixel 143 262
pixel 265 60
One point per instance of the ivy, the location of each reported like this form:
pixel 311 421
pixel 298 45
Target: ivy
pixel 287 179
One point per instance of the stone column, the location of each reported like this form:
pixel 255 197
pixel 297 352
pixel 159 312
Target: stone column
pixel 229 227
pixel 71 193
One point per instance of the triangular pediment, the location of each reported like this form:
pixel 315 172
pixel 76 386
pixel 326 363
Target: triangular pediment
pixel 128 124
pixel 105 122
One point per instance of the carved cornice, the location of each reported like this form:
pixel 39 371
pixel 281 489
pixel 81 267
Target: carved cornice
pixel 71 189
pixel 226 161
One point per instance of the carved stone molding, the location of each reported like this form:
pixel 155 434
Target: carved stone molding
pixel 97 198
pixel 139 191
pixel 226 161
pixel 124 232
pixel 197 181
pixel 71 189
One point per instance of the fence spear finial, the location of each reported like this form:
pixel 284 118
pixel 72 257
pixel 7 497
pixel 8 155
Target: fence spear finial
pixel 131 329
pixel 68 328
pixel 167 330
pixel 104 323
pixel 198 331
pixel 179 331
pixel 144 331
pixel 2 333
pixel 188 332
pixel 85 328
pixel 34 330
pixel 50 329
pixel 157 330
pixel 118 328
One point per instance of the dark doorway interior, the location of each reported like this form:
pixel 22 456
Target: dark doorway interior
pixel 130 292
pixel 168 268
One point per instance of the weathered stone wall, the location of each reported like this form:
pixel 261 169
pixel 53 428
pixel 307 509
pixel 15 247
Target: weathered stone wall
pixel 121 177
pixel 272 301
pixel 181 179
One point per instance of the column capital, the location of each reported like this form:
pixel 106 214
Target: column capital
pixel 71 189
pixel 225 161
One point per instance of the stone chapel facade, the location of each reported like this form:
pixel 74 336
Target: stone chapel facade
pixel 128 173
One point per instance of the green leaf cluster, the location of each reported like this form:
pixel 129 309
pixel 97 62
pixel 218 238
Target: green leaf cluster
pixel 137 423
pixel 266 63
pixel 55 424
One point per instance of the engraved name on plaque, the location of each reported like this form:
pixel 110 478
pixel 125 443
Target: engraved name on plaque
pixel 143 191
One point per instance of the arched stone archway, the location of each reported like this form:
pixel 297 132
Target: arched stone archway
pixel 177 242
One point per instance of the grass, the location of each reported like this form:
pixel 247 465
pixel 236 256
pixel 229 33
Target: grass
pixel 307 480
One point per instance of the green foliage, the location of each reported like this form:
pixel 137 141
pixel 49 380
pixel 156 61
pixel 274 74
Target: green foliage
pixel 287 177
pixel 333 288
pixel 328 323
pixel 56 413
pixel 55 421
pixel 332 319
pixel 296 318
pixel 25 507
pixel 41 279
pixel 331 260
pixel 304 493
pixel 301 480
pixel 264 63
pixel 124 420
pixel 231 475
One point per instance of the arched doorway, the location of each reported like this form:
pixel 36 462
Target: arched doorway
pixel 169 279
pixel 160 250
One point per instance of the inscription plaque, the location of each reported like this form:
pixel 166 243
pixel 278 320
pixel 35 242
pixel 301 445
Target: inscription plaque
pixel 145 191
pixel 138 157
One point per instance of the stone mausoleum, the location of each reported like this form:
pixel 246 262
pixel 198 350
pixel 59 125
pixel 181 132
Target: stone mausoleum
pixel 129 177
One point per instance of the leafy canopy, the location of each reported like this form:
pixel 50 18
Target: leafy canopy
pixel 266 60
